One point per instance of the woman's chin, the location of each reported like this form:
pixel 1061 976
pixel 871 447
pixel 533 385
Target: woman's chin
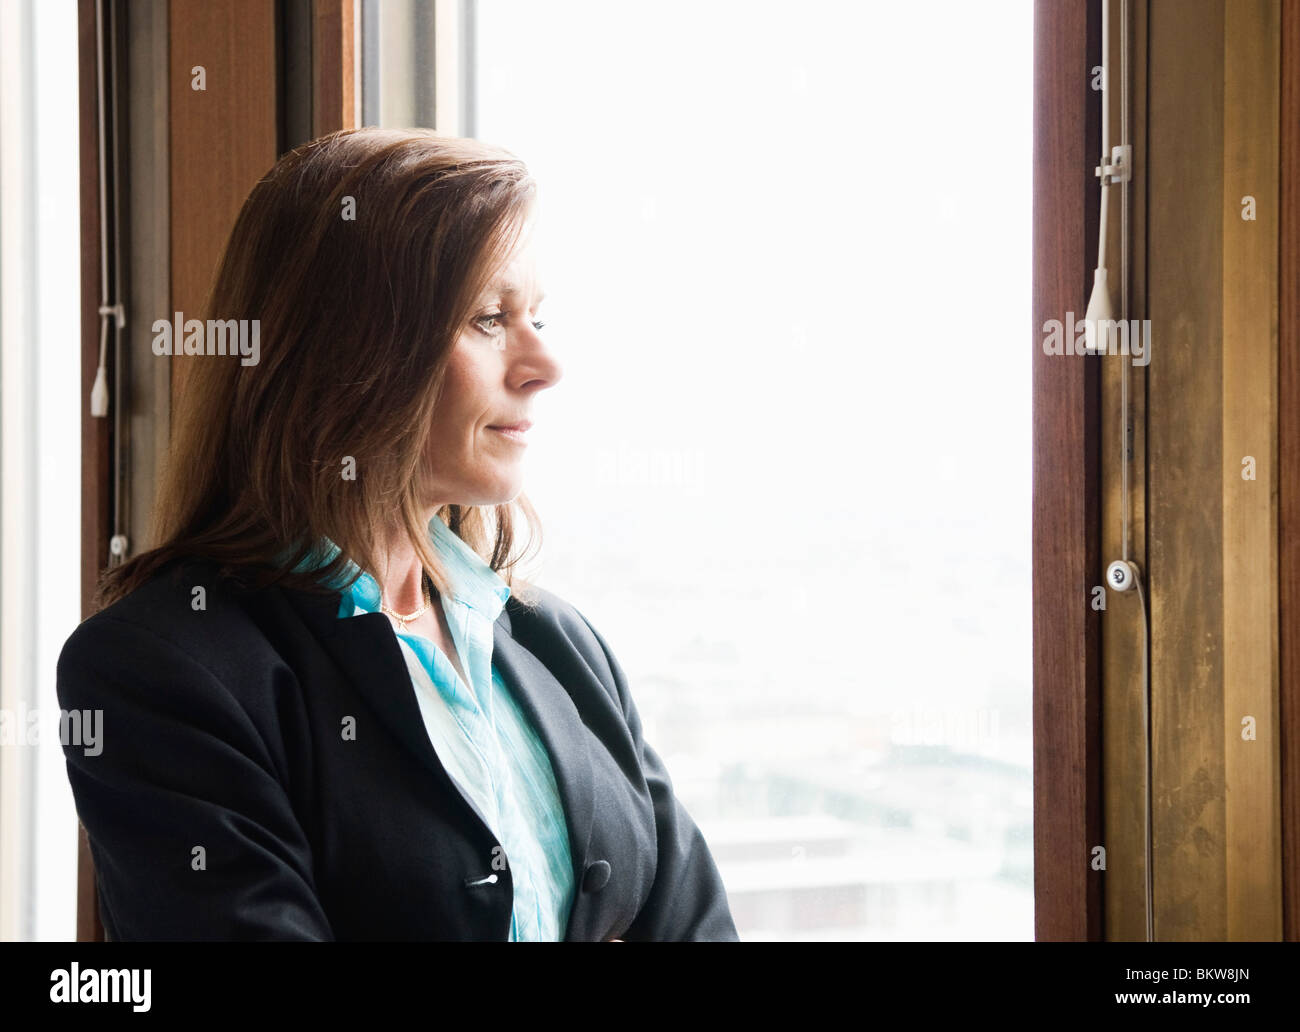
pixel 498 493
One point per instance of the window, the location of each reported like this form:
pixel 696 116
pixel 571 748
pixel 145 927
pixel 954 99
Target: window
pixel 787 475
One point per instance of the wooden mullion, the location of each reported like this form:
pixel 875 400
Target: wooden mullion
pixel 1066 662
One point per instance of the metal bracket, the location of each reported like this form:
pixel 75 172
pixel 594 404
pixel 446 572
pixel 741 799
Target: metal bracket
pixel 1120 167
pixel 117 312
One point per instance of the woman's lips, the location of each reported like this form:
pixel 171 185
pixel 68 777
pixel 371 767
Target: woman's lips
pixel 513 431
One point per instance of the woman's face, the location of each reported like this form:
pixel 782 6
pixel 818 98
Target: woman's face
pixel 496 368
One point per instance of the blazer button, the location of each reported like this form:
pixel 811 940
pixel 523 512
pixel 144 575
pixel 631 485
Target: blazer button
pixel 597 876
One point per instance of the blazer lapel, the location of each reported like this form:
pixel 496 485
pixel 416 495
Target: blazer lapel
pixel 561 729
pixel 366 650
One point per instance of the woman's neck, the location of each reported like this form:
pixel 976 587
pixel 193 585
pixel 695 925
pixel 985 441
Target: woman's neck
pixel 400 574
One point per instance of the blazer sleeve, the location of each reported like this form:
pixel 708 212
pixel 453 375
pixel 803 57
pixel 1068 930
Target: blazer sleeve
pixel 192 832
pixel 687 901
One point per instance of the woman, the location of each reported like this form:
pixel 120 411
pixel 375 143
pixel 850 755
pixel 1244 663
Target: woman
pixel 330 709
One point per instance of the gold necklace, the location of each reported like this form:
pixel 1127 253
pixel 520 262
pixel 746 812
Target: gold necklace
pixel 405 618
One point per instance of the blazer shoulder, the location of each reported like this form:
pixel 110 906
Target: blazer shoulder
pixel 185 609
pixel 537 611
pixel 547 624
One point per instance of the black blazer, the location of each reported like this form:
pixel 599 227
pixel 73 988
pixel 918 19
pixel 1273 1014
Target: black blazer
pixel 228 802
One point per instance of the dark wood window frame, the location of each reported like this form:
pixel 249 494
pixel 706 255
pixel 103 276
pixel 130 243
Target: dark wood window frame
pixel 1066 479
pixel 1288 388
pixel 278 73
pixel 1066 465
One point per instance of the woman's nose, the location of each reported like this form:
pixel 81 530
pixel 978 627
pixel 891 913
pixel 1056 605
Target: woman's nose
pixel 538 361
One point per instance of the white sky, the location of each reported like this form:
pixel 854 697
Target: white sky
pixel 787 246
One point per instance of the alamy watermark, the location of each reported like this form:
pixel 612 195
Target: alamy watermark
pixel 73 984
pixel 957 727
pixel 640 467
pixel 241 337
pixel 83 728
pixel 1114 337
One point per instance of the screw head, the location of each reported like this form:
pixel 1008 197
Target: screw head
pixel 1121 575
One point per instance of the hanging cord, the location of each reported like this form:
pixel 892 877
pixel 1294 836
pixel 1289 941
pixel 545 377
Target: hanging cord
pixel 1126 416
pixel 1124 574
pixel 106 60
pixel 1126 424
pixel 99 392
pixel 1146 726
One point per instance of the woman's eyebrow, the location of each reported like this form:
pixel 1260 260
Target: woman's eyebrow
pixel 512 290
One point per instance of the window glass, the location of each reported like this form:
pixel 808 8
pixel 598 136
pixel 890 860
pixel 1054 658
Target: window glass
pixel 787 472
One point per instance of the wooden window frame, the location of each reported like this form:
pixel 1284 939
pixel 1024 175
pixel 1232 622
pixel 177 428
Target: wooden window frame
pixel 1066 480
pixel 262 95
pixel 1068 786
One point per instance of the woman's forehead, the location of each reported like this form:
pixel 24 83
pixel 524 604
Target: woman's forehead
pixel 518 278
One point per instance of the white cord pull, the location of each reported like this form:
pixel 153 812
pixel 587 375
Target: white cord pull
pixel 1099 311
pixel 99 394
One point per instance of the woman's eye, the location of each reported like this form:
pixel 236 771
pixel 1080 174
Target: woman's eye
pixel 490 322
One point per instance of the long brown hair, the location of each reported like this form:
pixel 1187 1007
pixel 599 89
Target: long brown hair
pixel 357 318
